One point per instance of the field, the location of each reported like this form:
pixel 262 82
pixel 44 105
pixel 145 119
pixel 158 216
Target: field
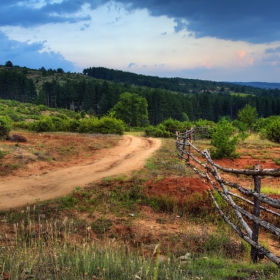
pixel 134 225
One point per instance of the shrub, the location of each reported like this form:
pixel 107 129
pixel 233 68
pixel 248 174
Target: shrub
pixel 223 141
pixel 15 117
pixel 21 125
pixel 248 115
pixel 60 124
pixel 74 125
pixel 174 125
pixel 44 124
pixel 89 125
pixel 101 225
pixel 272 132
pixel 109 125
pixel 202 122
pixel 158 131
pixel 5 127
pixel 262 123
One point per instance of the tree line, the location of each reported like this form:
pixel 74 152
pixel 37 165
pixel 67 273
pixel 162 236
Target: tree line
pixel 15 85
pixel 98 97
pixel 176 84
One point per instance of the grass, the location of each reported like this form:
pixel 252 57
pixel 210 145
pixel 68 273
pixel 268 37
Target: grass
pixel 267 189
pixel 92 234
pixel 255 139
pixel 43 254
pixel 44 251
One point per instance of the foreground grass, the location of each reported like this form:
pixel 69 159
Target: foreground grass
pixel 55 260
pixel 47 250
pixel 73 238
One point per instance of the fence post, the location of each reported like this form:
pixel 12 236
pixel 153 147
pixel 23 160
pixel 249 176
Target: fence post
pixel 256 212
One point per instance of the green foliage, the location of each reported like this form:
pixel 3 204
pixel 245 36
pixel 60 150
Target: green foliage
pixel 167 128
pixel 109 125
pixel 15 117
pixel 104 125
pixel 74 125
pixel 68 201
pixel 248 115
pixel 44 124
pixel 5 127
pixel 132 109
pixel 206 123
pixel 242 128
pixel 158 131
pixel 102 225
pixel 60 124
pixel 263 123
pixel 21 125
pixel 272 132
pixel 223 140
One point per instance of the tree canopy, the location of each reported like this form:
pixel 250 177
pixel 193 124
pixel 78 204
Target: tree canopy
pixel 248 115
pixel 9 64
pixel 132 109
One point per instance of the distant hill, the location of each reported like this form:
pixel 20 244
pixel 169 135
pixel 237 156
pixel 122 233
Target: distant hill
pixel 259 84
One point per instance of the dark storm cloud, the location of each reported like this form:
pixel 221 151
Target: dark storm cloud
pixel 247 20
pixel 15 13
pixel 29 55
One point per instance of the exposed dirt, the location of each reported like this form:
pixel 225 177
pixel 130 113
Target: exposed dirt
pixel 45 180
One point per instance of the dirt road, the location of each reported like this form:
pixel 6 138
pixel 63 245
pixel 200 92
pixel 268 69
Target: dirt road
pixel 129 155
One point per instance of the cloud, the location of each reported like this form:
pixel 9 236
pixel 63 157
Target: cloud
pixel 13 13
pixel 31 55
pixel 131 64
pixel 271 50
pixel 241 54
pixel 84 27
pixel 250 21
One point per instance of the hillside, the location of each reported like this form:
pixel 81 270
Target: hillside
pixel 176 98
pixel 260 85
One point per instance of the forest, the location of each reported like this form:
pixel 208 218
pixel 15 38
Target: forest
pixel 98 90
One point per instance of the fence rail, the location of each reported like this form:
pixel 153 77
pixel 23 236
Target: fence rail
pixel 248 223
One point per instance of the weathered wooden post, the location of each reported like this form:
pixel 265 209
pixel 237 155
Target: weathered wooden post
pixel 256 212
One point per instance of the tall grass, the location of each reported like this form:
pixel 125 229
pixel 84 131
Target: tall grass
pixel 48 250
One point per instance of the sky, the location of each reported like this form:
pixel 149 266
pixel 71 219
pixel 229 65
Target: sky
pixel 218 40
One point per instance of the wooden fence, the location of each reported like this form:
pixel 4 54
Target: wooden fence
pixel 249 222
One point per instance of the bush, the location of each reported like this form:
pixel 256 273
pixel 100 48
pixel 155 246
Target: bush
pixel 109 125
pixel 15 117
pixel 201 122
pixel 74 125
pixel 223 141
pixel 60 124
pixel 158 131
pixel 263 123
pixel 272 132
pixel 21 125
pixel 5 127
pixel 174 125
pixel 44 124
pixel 167 128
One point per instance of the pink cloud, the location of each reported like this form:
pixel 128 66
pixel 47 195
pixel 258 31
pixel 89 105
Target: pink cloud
pixel 241 54
pixel 207 63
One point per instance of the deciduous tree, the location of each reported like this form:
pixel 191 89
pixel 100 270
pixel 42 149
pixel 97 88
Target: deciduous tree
pixel 132 109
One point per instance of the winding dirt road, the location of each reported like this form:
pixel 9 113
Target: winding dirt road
pixel 129 155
